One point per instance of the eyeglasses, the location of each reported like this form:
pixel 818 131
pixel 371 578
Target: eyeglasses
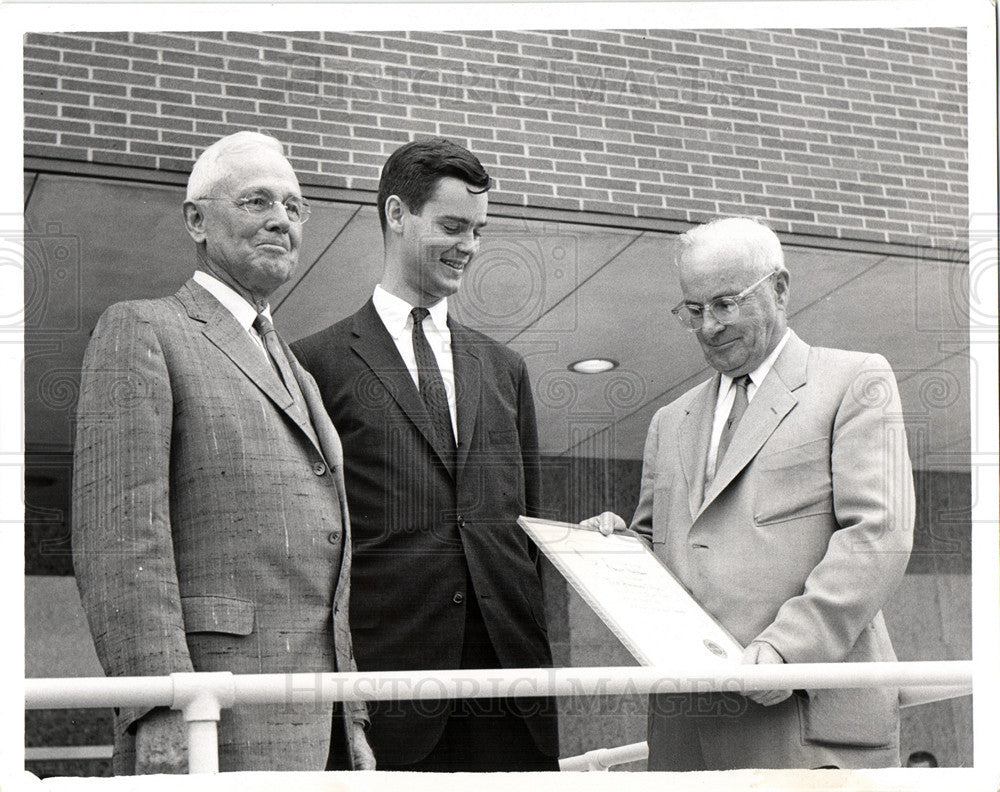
pixel 258 203
pixel 725 310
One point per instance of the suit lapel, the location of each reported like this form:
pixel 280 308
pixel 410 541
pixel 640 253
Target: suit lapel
pixel 468 378
pixel 300 411
pixel 222 329
pixel 695 434
pixel 771 403
pixel 327 439
pixel 375 347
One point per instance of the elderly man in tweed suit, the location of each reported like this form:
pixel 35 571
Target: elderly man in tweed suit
pixel 210 526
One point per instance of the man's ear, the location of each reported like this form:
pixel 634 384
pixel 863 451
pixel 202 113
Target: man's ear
pixel 194 221
pixel 781 288
pixel 395 211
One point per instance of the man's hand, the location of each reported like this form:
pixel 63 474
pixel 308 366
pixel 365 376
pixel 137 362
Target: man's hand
pixel 161 743
pixel 759 653
pixel 362 754
pixel 606 522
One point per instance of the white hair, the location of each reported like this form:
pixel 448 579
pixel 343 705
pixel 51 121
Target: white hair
pixel 751 235
pixel 207 171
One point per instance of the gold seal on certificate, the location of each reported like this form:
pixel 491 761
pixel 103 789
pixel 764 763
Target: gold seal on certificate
pixel 632 591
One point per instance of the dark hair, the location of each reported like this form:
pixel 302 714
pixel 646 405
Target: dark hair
pixel 413 171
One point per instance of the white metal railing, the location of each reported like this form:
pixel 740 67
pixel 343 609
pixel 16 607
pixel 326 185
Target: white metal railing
pixel 606 758
pixel 201 696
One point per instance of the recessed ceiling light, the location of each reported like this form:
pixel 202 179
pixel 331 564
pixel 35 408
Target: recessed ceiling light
pixel 593 366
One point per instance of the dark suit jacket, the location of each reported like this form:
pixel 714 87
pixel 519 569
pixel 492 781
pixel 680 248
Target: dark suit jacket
pixel 417 530
pixel 210 527
pixel 799 541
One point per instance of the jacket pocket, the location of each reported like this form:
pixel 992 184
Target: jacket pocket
pixel 793 482
pixel 217 614
pixel 861 717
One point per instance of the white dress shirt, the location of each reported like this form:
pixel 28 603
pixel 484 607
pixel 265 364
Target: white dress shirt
pixel 395 315
pixel 235 303
pixel 727 395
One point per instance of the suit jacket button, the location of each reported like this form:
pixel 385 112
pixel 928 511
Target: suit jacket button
pixel 461 522
pixel 459 598
pixel 332 537
pixel 319 468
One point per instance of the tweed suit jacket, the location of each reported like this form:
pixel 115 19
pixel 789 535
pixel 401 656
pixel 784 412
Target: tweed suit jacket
pixel 210 526
pixel 422 533
pixel 798 541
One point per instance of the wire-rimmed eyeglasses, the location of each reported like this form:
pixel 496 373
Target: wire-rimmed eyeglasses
pixel 725 310
pixel 258 203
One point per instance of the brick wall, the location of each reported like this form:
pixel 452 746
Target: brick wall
pixel 855 134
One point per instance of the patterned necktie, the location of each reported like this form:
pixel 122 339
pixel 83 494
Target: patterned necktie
pixel 279 361
pixel 432 385
pixel 739 407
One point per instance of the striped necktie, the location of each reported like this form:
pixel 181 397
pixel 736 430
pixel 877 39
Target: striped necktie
pixel 432 389
pixel 279 361
pixel 735 414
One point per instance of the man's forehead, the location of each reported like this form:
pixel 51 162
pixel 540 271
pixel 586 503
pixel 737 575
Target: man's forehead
pixel 719 262
pixel 456 196
pixel 257 167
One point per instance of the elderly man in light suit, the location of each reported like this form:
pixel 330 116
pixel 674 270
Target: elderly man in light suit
pixel 780 493
pixel 210 527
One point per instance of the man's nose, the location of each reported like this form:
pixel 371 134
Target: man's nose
pixel 468 244
pixel 710 326
pixel 277 217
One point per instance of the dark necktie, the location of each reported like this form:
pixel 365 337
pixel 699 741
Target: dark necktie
pixel 432 385
pixel 735 414
pixel 277 355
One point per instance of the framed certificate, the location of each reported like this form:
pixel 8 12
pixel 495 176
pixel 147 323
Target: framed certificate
pixel 635 594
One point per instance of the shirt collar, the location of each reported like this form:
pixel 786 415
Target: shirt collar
pixel 232 300
pixel 758 374
pixel 395 312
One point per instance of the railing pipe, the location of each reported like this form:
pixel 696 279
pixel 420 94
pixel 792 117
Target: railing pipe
pixel 602 759
pixel 511 682
pixel 201 697
pixel 98 692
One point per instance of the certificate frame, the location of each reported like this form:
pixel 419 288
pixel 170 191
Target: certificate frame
pixel 611 573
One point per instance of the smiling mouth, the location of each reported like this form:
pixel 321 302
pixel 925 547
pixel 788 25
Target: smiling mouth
pixel 458 266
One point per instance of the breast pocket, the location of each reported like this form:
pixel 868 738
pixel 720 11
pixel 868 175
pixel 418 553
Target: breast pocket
pixel 793 482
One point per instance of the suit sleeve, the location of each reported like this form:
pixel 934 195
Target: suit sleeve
pixel 122 549
pixel 527 428
pixel 873 505
pixel 642 521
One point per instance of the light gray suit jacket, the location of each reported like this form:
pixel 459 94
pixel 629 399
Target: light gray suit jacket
pixel 799 540
pixel 210 526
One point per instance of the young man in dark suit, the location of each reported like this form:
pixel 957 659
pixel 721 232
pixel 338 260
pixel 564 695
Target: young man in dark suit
pixel 441 456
